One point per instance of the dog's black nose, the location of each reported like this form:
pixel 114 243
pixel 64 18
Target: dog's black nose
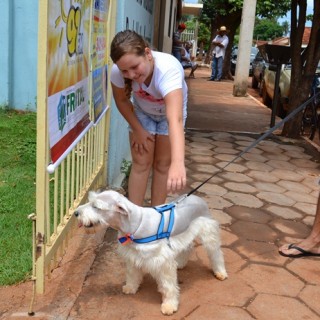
pixel 77 213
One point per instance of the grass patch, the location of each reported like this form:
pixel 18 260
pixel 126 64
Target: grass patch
pixel 17 193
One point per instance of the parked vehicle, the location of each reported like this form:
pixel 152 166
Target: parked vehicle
pixel 234 56
pixel 258 66
pixel 267 88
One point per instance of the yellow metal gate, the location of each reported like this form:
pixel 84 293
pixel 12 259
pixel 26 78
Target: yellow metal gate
pixel 63 185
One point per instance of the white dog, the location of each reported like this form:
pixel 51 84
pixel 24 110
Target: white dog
pixel 151 242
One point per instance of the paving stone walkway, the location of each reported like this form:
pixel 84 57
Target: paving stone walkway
pixel 263 199
pixel 266 198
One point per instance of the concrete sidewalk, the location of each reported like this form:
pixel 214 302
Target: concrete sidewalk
pixel 213 107
pixel 262 200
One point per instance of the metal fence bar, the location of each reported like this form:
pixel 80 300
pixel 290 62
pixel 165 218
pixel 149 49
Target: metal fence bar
pixel 187 35
pixel 55 204
pixel 191 35
pixel 73 169
pixel 68 181
pixel 62 182
pixel 42 151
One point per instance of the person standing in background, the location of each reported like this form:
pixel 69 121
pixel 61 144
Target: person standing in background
pixel 220 43
pixel 177 44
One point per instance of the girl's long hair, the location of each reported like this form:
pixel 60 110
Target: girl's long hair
pixel 124 42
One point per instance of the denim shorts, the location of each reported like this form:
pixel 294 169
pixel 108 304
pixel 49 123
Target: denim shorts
pixel 154 124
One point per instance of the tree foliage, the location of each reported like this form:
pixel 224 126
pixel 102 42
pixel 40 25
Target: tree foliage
pixel 285 27
pixel 228 12
pixel 266 29
pixel 203 30
pixel 204 35
pixel 213 9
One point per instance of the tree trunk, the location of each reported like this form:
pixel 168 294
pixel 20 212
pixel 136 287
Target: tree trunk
pixel 214 27
pixel 200 56
pixel 232 22
pixel 304 64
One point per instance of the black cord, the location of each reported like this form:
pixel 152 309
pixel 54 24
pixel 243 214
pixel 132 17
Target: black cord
pixel 254 143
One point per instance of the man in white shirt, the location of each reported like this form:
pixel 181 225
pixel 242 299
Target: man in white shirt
pixel 220 43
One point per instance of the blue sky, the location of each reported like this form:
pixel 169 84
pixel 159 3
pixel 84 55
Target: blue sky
pixel 309 11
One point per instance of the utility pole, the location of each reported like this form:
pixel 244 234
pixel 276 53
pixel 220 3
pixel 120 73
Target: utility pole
pixel 245 43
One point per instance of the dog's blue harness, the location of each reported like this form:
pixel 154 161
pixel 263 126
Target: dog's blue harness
pixel 161 234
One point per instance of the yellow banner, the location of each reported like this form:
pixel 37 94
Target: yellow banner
pixel 68 72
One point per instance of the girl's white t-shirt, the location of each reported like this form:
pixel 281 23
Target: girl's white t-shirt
pixel 168 75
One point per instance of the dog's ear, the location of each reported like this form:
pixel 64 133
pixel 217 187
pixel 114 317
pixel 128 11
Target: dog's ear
pixel 92 195
pixel 122 208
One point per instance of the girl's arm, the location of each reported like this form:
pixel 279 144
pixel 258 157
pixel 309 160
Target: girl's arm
pixel 140 136
pixel 177 171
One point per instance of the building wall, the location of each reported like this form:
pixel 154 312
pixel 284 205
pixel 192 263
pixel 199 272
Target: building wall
pixel 169 13
pixel 18 54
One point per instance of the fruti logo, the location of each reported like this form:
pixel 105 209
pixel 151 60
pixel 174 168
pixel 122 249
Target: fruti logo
pixel 67 105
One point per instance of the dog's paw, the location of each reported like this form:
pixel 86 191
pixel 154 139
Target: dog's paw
pixel 221 275
pixel 127 289
pixel 168 308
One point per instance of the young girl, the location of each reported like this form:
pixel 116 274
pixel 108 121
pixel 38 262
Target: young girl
pixel 156 115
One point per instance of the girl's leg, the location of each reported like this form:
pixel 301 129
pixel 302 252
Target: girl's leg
pixel 316 225
pixel 161 164
pixel 139 174
pixel 314 237
pixel 312 242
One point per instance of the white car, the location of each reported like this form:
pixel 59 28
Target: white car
pixel 267 88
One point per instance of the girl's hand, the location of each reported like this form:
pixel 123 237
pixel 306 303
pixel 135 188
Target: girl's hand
pixel 140 140
pixel 177 177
